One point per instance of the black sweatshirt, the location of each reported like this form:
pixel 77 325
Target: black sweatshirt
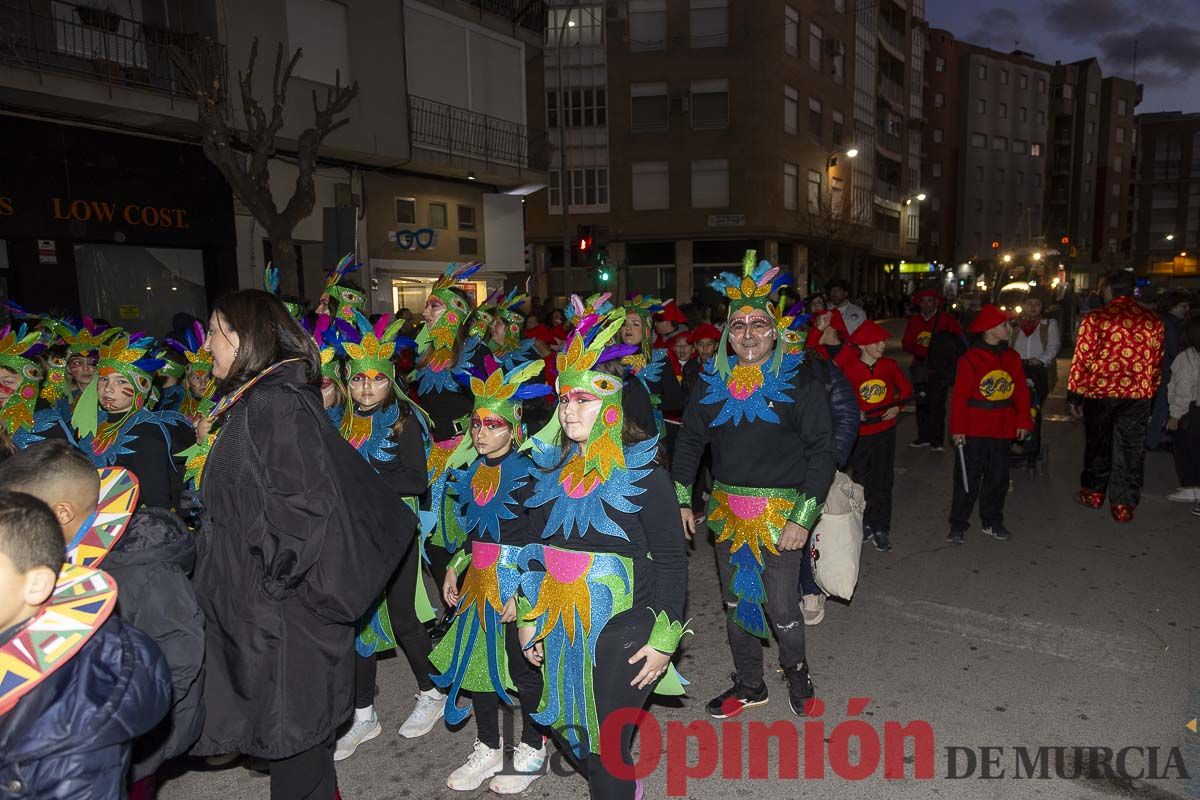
pixel 406 473
pixel 797 453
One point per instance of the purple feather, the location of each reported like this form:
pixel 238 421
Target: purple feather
pixel 617 351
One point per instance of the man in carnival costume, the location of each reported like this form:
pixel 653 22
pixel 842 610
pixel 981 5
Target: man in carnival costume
pixel 762 510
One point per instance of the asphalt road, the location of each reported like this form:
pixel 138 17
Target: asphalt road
pixel 1078 632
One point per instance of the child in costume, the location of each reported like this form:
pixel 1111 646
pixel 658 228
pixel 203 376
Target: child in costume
pixel 76 684
pixel 649 365
pixel 882 390
pixel 20 378
pixel 504 337
pixel 389 432
pixel 606 580
pixel 482 652
pixel 989 408
pixel 168 393
pixel 199 386
pixel 756 403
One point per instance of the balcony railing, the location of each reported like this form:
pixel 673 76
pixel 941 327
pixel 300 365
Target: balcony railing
pixel 99 45
pixel 887 242
pixel 461 132
pixel 887 191
pixel 895 39
pixel 529 14
pixel 890 142
pixel 891 90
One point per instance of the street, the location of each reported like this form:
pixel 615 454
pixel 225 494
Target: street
pixel 1078 632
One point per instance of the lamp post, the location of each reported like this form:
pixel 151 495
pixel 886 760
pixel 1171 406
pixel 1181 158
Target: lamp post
pixel 831 160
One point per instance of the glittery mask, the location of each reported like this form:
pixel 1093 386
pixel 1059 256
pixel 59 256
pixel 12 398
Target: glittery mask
pixel 15 346
pixel 750 292
pixel 514 320
pixel 441 335
pixel 127 356
pixel 644 307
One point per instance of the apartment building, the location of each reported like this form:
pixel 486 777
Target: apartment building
pixel 1166 238
pixel 690 134
pixel 1112 222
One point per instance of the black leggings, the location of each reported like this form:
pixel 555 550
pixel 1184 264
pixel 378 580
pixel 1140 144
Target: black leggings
pixel 409 631
pixel 624 635
pixel 439 561
pixel 305 776
pixel 528 679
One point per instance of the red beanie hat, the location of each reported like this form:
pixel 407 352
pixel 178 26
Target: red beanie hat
pixel 869 332
pixel 934 293
pixel 671 313
pixel 988 317
pixel 705 331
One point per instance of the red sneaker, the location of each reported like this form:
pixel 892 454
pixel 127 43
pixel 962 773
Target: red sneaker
pixel 1089 498
pixel 1122 513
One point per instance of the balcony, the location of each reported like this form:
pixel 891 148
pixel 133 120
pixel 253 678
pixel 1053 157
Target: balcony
pixel 99 45
pixel 459 132
pixel 897 41
pixel 529 14
pixel 891 145
pixel 888 243
pixel 891 91
pixel 887 191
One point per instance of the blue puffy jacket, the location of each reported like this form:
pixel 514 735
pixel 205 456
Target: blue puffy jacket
pixel 69 739
pixel 843 402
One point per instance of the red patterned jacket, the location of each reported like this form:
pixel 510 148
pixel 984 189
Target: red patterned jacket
pixel 1118 352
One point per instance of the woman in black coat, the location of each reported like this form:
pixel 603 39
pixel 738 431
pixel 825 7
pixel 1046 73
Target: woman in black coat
pixel 299 537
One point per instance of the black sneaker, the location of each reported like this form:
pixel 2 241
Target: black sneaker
pixel 883 541
pixel 736 699
pixel 442 626
pixel 918 443
pixel 867 533
pixel 800 687
pixel 955 537
pixel 998 532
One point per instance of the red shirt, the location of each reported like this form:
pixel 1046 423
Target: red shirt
pixel 1118 352
pixel 990 398
pixel 919 331
pixel 879 386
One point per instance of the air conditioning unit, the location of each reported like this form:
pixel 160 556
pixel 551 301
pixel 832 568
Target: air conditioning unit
pixel 835 47
pixel 680 104
pixel 616 11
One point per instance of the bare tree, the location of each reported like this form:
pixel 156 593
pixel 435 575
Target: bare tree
pixel 834 229
pixel 244 156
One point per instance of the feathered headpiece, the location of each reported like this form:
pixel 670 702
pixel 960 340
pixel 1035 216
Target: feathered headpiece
pixel 502 394
pixel 750 292
pixel 598 304
pixel 271 284
pixel 329 334
pixel 508 310
pixel 192 348
pixel 485 314
pixel 368 351
pixel 645 308
pixel 127 356
pixel 441 334
pixel 17 348
pixel 349 301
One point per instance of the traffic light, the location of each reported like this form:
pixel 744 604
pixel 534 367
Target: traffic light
pixel 1065 240
pixel 583 242
pixel 603 272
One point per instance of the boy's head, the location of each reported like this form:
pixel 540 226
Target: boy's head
pixel 31 554
pixel 58 475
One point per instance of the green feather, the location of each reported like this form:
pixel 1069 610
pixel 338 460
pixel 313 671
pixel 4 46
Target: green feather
pixel 85 418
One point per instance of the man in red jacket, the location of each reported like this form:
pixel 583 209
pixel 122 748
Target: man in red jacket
pixel 882 389
pixel 930 380
pixel 989 407
pixel 1114 376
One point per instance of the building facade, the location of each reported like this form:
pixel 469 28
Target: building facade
pixel 1166 238
pixel 1112 229
pixel 690 134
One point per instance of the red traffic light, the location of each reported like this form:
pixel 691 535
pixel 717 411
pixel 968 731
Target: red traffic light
pixel 995 244
pixel 585 244
pixel 1065 240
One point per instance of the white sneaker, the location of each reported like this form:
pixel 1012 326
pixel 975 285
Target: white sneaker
pixel 363 730
pixel 813 608
pixel 483 763
pixel 430 707
pixel 1185 494
pixel 527 768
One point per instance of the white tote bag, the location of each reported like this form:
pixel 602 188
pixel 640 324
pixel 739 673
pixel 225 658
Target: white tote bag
pixel 837 539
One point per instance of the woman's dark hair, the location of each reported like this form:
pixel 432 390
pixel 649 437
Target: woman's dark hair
pixel 460 336
pixel 1191 331
pixel 266 334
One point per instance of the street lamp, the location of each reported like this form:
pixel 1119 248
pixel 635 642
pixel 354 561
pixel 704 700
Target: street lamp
pixel 832 159
pixel 1170 237
pixel 1006 258
pixel 1037 256
pixel 919 197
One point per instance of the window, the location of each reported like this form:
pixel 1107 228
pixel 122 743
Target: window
pixel 978 140
pixel 1118 164
pixel 1035 149
pixel 1114 220
pixel 468 246
pixel 839 127
pixel 1089 158
pixel 814 118
pixel 1000 143
pixel 710 104
pixel 709 21
pixel 1020 146
pixel 710 183
pixel 1092 98
pixel 981 106
pixel 935 237
pixel 839 67
pixel 583 27
pixel 837 189
pixel 981 72
pixel 1087 187
pixel 839 6
pixel 1116 190
pixel 936 169
pixel 999 175
pixel 937 135
pixel 939 64
pixel 552 109
pixel 1041 85
pixel 816 40
pixel 939 100
pixel 791 31
pixel 1020 176
pixel 1068 91
pixel 979 205
pixel 589 187
pixel 1004 77
pixel 466 218
pixel 1037 183
pixel 999 208
pixel 555 190
pixel 1022 81
pixel 1122 107
pixel 791 110
pixel 814 191
pixel 650 107
pixel 406 210
pixel 1119 133
pixel 1003 110
pixel 320 28
pixel 979 174
pixel 1091 129
pixel 651 186
pixel 1022 113
pixel 647 25
pixel 791 186
pixel 1042 118
pixel 583 107
pixel 438 216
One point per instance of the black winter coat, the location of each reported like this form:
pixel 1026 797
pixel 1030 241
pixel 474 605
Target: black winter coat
pixel 300 536
pixel 843 405
pixel 152 563
pixel 69 739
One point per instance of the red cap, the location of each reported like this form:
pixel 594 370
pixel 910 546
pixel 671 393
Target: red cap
pixel 934 293
pixel 684 335
pixel 705 331
pixel 671 313
pixel 836 322
pixel 869 332
pixel 988 317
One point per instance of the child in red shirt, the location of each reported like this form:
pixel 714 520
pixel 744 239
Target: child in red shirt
pixel 882 389
pixel 989 407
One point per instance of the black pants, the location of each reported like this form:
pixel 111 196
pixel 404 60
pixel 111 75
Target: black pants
pixel 410 633
pixel 931 414
pixel 623 636
pixel 781 580
pixel 1187 448
pixel 528 679
pixel 305 776
pixel 987 472
pixel 439 560
pixel 873 464
pixel 1114 457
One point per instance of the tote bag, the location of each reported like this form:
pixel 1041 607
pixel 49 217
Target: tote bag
pixel 837 539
